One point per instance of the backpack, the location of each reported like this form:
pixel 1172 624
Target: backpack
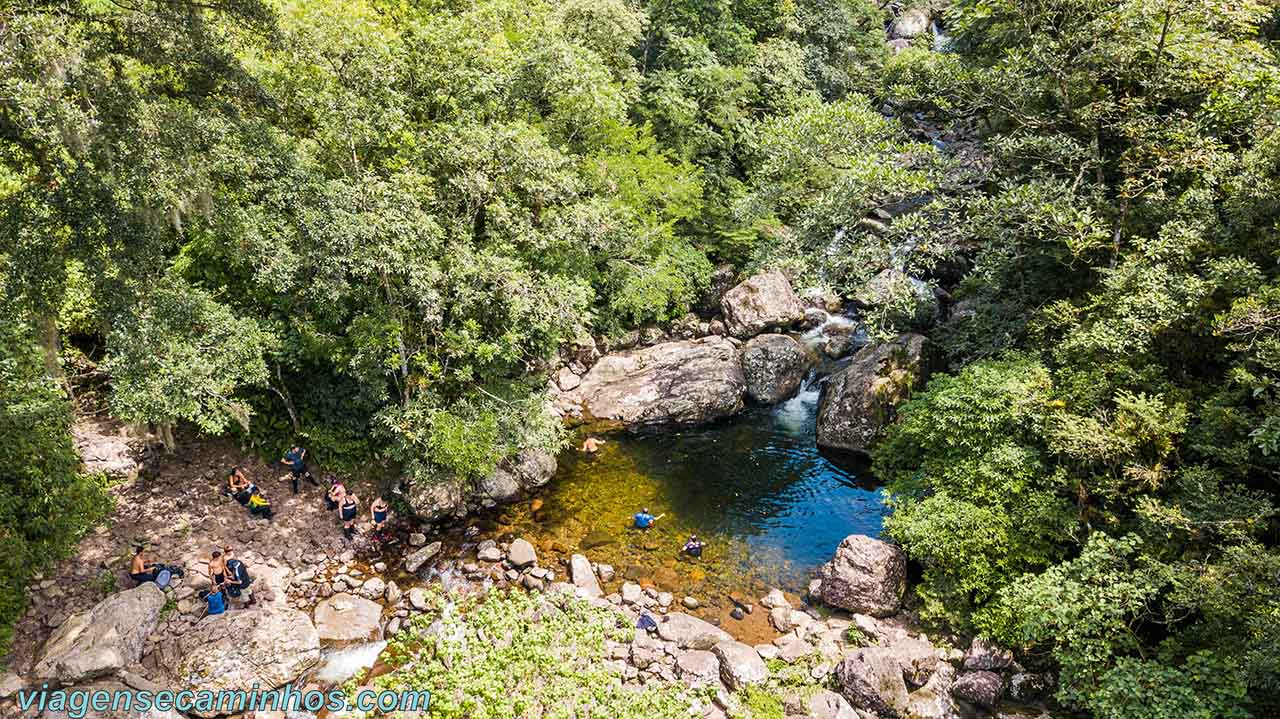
pixel 240 572
pixel 163 577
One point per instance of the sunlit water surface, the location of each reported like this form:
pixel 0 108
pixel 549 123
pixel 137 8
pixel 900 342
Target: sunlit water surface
pixel 754 487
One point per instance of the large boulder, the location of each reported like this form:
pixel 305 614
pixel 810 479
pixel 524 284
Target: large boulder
pixel 870 679
pixel 740 664
pixel 103 640
pixel 105 688
pixel 773 367
pixel 689 632
pixel 347 619
pixel 909 303
pixel 513 476
pixel 237 650
pixel 982 688
pixel 672 383
pixel 437 497
pixel 910 24
pixel 821 704
pixel 866 575
pixel 984 654
pixel 860 400
pixel 762 302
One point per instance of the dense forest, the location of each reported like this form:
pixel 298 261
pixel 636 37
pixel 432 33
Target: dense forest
pixel 373 224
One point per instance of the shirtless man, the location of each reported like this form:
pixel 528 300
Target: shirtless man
pixel 140 570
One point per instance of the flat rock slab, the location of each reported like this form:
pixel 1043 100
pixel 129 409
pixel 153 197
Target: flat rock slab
pixel 268 647
pixel 414 562
pixel 691 633
pixel 673 383
pixel 103 640
pixel 345 619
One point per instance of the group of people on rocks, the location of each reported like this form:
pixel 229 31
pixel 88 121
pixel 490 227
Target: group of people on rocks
pixel 337 497
pixel 643 520
pixel 228 577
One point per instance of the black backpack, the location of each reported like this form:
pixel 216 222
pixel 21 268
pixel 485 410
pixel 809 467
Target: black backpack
pixel 241 573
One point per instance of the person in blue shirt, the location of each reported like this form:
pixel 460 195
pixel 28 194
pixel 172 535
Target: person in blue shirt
pixel 296 458
pixel 644 520
pixel 216 601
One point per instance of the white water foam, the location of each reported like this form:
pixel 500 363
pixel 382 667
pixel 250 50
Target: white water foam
pixel 339 665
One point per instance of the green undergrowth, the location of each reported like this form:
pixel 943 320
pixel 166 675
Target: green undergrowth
pixel 544 655
pixel 518 654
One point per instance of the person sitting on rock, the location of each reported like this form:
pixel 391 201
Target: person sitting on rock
pixel 644 520
pixel 337 492
pixel 259 505
pixel 380 511
pixel 348 510
pixel 238 486
pixel 215 600
pixel 140 570
pixel 296 458
pixel 694 546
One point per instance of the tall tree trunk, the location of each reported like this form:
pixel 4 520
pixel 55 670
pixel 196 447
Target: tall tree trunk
pixel 50 345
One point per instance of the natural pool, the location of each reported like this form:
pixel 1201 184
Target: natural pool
pixel 754 487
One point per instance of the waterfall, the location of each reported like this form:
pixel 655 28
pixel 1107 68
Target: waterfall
pixel 339 665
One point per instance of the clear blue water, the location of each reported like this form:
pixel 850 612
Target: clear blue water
pixel 770 506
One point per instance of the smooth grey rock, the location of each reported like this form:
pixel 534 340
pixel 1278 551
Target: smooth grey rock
pixel 345 619
pixel 414 562
pixel 103 640
pixel 689 632
pixel 521 554
pixel 583 577
pixel 740 664
pixel 673 383
pixel 268 647
pixel 698 668
pixel 773 367
pixel 762 302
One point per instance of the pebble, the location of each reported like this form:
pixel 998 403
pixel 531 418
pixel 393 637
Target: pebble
pixel 417 539
pixel 737 613
pixel 690 603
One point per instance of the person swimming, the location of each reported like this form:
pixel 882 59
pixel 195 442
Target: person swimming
pixel 644 520
pixel 694 546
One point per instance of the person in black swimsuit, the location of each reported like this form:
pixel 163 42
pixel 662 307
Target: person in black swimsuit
pixel 217 571
pixel 350 506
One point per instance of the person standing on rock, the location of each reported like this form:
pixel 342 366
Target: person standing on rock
pixel 348 511
pixel 337 492
pixel 217 570
pixel 238 578
pixel 380 511
pixel 296 459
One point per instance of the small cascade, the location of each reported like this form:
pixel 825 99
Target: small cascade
pixel 941 40
pixel 339 665
pixel 796 414
pixel 835 337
